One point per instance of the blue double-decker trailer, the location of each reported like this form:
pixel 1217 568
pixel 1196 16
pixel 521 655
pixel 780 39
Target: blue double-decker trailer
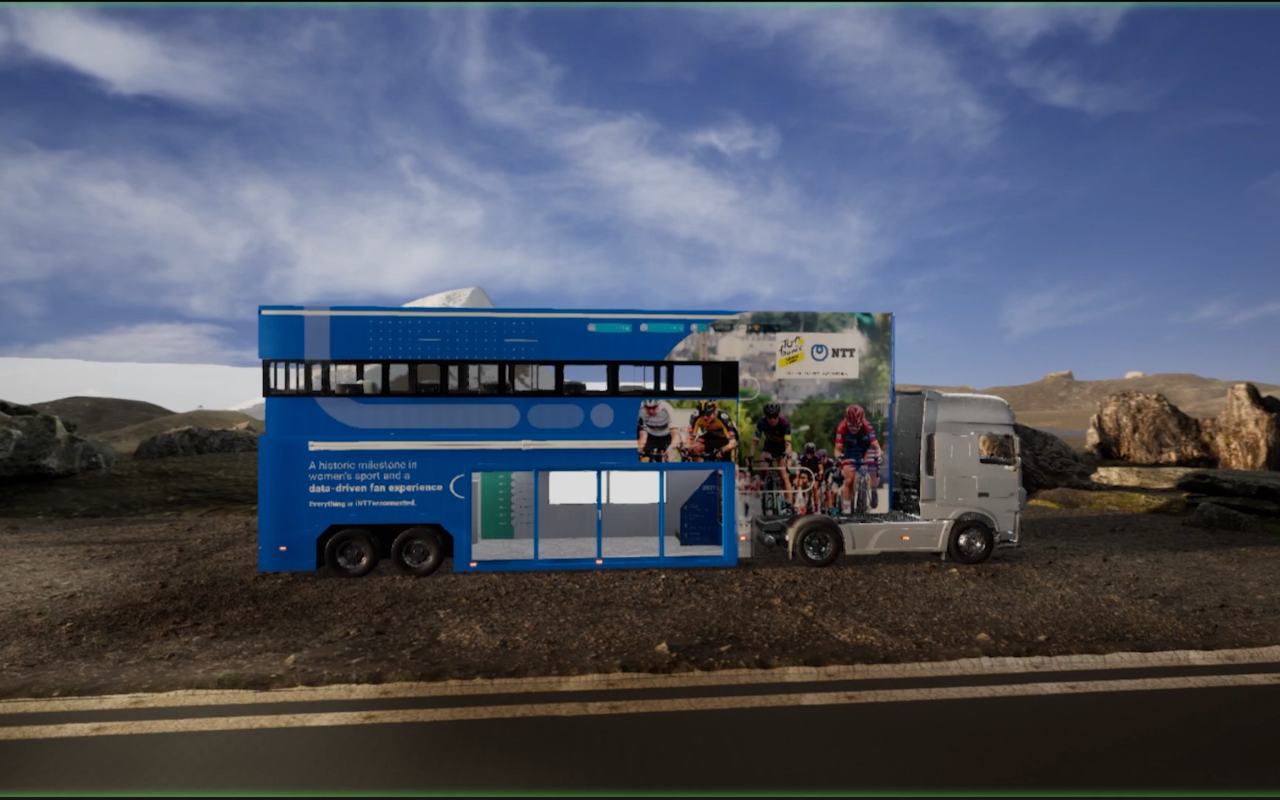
pixel 504 438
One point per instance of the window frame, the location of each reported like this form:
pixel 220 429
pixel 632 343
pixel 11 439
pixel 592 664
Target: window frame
pixel 719 378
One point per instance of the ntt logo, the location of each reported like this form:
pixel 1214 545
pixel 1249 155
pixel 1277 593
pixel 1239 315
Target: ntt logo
pixel 819 351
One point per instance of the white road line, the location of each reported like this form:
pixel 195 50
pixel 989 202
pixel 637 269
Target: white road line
pixel 1003 665
pixel 579 709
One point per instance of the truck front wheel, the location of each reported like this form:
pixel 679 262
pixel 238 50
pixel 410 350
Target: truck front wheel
pixel 818 542
pixel 971 543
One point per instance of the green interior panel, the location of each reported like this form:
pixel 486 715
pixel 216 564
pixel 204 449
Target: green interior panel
pixel 495 504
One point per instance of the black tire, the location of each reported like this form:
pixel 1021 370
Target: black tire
pixel 971 542
pixel 351 553
pixel 418 551
pixel 819 541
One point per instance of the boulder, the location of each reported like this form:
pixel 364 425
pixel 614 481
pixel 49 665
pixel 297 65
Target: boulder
pixel 1212 515
pixel 1134 373
pixel 1145 428
pixel 1233 483
pixel 1245 505
pixel 1141 477
pixel 1065 374
pixel 38 445
pixel 1246 435
pixel 1048 462
pixel 193 441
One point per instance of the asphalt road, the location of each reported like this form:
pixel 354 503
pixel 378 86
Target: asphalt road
pixel 1176 726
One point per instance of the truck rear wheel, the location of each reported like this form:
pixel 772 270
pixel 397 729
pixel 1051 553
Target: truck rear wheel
pixel 971 542
pixel 818 541
pixel 351 553
pixel 417 551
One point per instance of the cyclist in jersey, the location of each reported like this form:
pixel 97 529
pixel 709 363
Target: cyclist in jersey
pixel 653 431
pixel 811 465
pixel 775 431
pixel 855 440
pixel 716 429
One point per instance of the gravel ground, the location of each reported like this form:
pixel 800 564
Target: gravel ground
pixel 151 603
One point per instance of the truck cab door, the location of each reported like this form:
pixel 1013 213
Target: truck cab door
pixel 955 462
pixel 999 471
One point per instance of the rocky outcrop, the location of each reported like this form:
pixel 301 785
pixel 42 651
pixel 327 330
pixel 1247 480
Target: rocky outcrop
pixel 1048 462
pixel 1232 498
pixel 1134 373
pixel 1214 516
pixel 1233 483
pixel 37 445
pixel 1141 477
pixel 192 441
pixel 1246 435
pixel 1145 428
pixel 1065 375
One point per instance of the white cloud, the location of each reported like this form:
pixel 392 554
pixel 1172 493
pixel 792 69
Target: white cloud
pixel 736 137
pixel 1020 25
pixel 878 62
pixel 1056 86
pixel 192 343
pixel 125 59
pixel 1231 313
pixel 630 176
pixel 1065 306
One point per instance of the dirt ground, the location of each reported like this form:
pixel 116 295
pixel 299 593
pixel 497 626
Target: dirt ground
pixel 156 602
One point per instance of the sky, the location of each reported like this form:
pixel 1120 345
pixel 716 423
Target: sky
pixel 1028 188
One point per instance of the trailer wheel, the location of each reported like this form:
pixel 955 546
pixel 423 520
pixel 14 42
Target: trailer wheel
pixel 351 553
pixel 818 542
pixel 971 543
pixel 417 551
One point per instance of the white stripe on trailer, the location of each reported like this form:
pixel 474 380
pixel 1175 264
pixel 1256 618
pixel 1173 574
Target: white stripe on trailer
pixel 511 444
pixel 320 312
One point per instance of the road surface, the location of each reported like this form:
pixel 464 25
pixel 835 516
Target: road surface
pixel 1187 720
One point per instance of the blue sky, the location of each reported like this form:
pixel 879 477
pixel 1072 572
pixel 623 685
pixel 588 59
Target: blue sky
pixel 1029 188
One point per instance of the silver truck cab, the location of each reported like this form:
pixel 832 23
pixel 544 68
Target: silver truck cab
pixel 957 486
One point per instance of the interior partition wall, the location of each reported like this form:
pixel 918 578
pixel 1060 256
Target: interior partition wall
pixel 662 514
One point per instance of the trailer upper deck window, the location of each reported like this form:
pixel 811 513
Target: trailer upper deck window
pixel 371 376
pixel 586 379
pixel 641 378
pixel 687 378
pixel 394 377
pixel 533 377
pixel 398 378
pixel 427 378
pixel 345 379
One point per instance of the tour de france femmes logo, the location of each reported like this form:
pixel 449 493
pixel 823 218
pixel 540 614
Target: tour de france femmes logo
pixel 816 355
pixel 790 350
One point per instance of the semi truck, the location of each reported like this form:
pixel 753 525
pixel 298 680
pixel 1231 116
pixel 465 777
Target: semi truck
pixel 956 488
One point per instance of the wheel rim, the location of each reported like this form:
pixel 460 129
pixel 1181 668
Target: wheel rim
pixel 416 553
pixel 351 556
pixel 817 546
pixel 971 543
